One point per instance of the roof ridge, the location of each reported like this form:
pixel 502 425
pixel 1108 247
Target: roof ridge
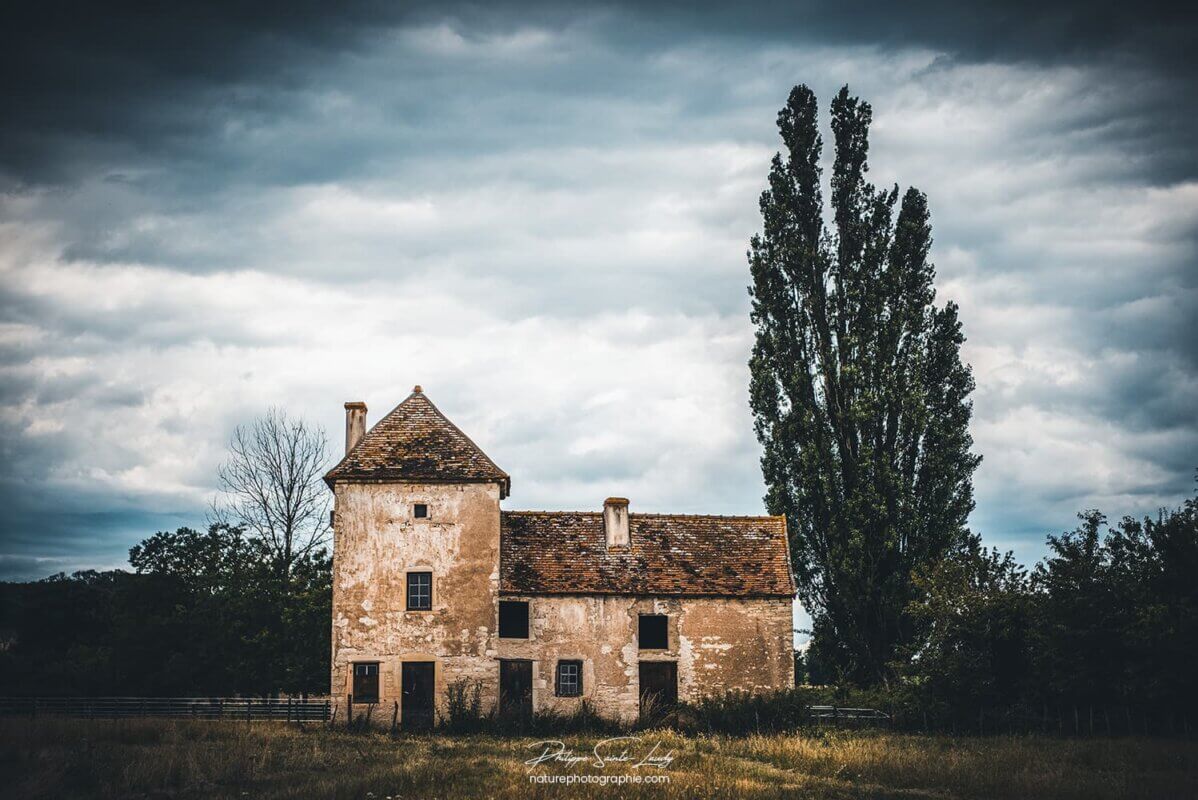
pixel 464 435
pixel 755 517
pixel 377 422
pixel 416 421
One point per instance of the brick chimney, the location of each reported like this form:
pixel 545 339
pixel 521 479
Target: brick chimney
pixel 615 522
pixel 355 424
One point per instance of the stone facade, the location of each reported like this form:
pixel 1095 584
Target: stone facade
pixel 720 644
pixel 391 521
pixel 376 543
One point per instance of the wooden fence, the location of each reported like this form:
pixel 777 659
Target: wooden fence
pixel 281 709
pixel 838 713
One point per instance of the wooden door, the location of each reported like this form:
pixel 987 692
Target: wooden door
pixel 515 688
pixel 418 695
pixel 659 685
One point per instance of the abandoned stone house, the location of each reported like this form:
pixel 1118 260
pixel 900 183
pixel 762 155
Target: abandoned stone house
pixel 433 582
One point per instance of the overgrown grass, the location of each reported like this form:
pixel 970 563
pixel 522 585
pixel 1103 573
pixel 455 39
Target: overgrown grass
pixel 465 713
pixel 55 758
pixel 744 713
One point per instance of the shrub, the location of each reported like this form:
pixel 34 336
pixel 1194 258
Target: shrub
pixel 464 708
pixel 742 713
pixel 583 719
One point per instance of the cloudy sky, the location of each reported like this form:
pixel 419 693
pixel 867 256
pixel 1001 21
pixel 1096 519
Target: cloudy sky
pixel 540 212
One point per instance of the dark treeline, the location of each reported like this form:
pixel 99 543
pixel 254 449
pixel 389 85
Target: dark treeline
pixel 202 613
pixel 1101 636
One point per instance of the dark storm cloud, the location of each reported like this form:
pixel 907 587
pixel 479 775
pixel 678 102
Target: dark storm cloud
pixel 88 83
pixel 125 78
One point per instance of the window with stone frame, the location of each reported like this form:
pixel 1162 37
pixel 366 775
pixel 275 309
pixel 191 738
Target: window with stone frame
pixel 366 682
pixel 569 679
pixel 420 591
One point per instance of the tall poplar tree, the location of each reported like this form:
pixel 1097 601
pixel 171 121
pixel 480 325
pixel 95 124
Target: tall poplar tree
pixel 858 392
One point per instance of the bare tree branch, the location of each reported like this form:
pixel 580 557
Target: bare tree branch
pixel 271 484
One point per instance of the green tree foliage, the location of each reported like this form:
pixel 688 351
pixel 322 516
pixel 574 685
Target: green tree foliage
pixel 858 391
pixel 1107 624
pixel 974 611
pixel 1119 613
pixel 203 613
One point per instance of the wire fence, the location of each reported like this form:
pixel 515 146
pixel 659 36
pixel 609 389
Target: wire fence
pixel 1070 721
pixel 281 709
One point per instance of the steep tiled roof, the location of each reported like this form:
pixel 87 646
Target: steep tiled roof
pixel 544 552
pixel 414 443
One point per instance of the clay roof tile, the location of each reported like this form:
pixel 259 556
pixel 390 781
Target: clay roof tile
pixel 564 552
pixel 417 443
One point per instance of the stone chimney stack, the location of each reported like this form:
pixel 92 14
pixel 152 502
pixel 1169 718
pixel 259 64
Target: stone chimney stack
pixel 355 424
pixel 615 522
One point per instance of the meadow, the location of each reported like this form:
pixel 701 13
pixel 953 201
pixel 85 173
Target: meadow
pixel 54 758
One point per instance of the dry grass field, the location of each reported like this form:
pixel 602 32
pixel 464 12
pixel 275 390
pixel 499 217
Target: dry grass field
pixel 163 759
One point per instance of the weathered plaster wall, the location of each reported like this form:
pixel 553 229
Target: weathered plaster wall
pixel 377 540
pixel 720 644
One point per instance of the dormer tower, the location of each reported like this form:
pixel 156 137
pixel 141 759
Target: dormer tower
pixel 415 560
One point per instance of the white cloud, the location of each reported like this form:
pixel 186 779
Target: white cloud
pixel 548 231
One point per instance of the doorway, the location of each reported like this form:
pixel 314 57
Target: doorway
pixel 515 688
pixel 419 680
pixel 659 686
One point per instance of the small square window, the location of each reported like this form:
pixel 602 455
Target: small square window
pixel 513 619
pixel 653 632
pixel 420 511
pixel 569 679
pixel 420 591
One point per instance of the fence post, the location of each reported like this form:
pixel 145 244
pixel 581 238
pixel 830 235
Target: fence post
pixel 349 710
pixel 394 717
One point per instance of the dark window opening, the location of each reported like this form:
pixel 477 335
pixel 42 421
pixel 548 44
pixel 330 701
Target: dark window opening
pixel 366 683
pixel 513 619
pixel 569 679
pixel 420 510
pixel 653 632
pixel 420 591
